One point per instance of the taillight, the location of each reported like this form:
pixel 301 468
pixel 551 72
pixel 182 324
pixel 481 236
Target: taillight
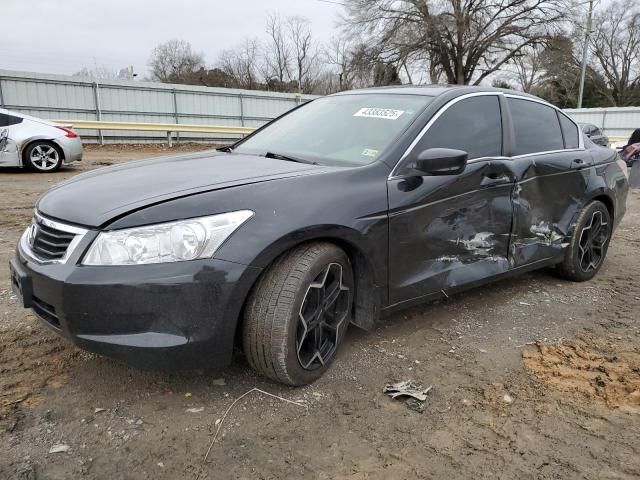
pixel 69 133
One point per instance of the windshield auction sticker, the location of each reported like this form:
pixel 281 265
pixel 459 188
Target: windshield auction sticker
pixel 369 152
pixel 372 112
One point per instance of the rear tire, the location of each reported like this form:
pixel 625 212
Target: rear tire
pixel 43 157
pixel 298 313
pixel 589 244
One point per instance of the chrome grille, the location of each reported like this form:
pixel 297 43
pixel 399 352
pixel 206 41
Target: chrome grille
pixel 50 243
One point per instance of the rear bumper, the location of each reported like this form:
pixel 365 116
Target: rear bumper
pixel 169 316
pixel 71 148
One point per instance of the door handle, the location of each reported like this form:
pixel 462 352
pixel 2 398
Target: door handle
pixel 494 178
pixel 495 174
pixel 578 163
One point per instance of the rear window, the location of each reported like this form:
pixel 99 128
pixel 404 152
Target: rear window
pixel 536 126
pixel 570 131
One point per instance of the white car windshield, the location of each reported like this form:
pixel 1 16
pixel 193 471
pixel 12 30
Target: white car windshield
pixel 349 130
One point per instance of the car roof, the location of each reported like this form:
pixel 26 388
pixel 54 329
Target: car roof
pixel 432 90
pixel 28 117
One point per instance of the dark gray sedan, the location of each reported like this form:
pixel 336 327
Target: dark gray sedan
pixel 343 210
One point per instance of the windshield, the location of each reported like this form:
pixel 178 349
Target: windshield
pixel 347 130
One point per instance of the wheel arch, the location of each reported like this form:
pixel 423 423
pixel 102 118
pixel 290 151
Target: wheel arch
pixel 608 202
pixel 367 299
pixel 30 141
pixel 601 195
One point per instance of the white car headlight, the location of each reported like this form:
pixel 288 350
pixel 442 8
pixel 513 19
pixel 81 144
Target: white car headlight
pixel 165 242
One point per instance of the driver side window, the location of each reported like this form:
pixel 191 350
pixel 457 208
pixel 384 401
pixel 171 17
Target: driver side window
pixel 473 125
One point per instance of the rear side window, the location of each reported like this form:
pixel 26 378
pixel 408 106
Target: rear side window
pixel 8 120
pixel 570 132
pixel 473 125
pixel 536 126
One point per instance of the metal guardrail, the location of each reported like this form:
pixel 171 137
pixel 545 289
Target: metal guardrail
pixel 154 127
pixel 60 96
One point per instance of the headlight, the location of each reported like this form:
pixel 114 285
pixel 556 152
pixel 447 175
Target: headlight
pixel 165 242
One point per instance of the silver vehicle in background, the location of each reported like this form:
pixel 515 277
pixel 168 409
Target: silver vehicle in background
pixel 36 144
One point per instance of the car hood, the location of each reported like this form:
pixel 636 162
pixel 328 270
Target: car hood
pixel 95 198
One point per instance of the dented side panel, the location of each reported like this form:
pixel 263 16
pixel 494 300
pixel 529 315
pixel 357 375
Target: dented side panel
pixel 447 231
pixel 549 193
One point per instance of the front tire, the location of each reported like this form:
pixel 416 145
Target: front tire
pixel 297 315
pixel 589 244
pixel 43 157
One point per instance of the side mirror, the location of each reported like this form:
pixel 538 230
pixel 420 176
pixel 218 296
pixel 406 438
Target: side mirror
pixel 4 136
pixel 441 161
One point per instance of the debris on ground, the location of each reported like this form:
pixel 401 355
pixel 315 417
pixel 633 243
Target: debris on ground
pixel 59 448
pixel 220 420
pixel 406 389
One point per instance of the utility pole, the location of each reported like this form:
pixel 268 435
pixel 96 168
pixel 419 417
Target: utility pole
pixel 585 49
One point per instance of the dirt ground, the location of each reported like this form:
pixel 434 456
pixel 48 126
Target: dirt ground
pixel 531 378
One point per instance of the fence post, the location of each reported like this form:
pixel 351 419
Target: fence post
pixel 175 114
pixel 169 139
pixel 1 95
pixel 96 98
pixel 241 110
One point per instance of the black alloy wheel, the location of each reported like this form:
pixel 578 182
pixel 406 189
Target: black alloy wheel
pixel 593 239
pixel 588 244
pixel 322 317
pixel 297 314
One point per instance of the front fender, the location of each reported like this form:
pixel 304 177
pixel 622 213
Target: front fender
pixel 369 271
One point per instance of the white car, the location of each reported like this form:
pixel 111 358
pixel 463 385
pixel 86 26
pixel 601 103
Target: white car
pixel 36 144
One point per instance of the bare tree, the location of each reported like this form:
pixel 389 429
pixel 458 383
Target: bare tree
pixel 241 64
pixel 99 72
pixel 528 68
pixel 468 39
pixel 175 61
pixel 336 57
pixel 305 53
pixel 615 45
pixel 277 51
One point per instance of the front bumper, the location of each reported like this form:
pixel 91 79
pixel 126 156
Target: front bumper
pixel 170 316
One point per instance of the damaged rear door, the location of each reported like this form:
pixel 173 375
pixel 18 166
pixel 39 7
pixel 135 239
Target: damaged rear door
pixel 446 231
pixel 551 166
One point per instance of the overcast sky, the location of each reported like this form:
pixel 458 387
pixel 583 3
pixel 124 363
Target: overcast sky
pixel 62 36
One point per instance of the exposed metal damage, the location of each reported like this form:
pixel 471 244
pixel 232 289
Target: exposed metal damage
pixel 546 233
